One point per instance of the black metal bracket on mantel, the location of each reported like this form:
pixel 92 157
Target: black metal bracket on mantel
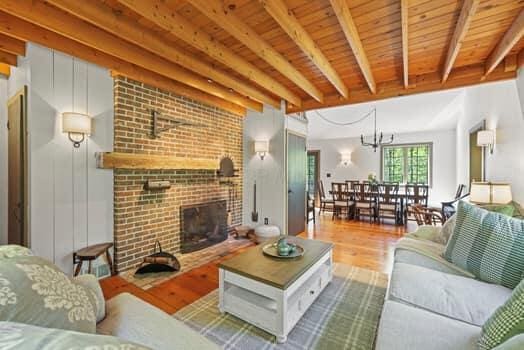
pixel 174 123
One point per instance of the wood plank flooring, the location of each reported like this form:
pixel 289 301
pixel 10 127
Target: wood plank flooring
pixel 357 243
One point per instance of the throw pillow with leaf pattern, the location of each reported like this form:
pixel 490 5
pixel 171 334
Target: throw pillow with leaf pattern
pixel 35 291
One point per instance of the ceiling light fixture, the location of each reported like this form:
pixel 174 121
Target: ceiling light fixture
pixel 376 143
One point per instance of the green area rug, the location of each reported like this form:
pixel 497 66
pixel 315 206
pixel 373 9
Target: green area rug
pixel 345 316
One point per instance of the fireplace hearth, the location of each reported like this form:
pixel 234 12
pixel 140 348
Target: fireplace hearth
pixel 203 225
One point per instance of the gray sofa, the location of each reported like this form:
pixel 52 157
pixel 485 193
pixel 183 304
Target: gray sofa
pixel 432 306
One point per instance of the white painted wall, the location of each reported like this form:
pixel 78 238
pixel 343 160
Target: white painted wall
pixel 364 160
pixel 71 202
pixel 270 173
pixel 498 103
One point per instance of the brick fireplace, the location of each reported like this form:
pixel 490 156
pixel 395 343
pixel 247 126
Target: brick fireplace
pixel 143 216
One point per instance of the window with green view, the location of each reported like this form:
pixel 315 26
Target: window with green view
pixel 407 163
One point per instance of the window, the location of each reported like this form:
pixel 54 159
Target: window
pixel 407 163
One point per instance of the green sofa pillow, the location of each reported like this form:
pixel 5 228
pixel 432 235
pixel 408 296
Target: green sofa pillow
pixel 487 244
pixel 507 321
pixel 34 291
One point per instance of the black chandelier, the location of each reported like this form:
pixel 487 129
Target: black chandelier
pixel 375 144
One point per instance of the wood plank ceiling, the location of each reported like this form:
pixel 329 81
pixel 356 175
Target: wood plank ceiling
pixel 240 54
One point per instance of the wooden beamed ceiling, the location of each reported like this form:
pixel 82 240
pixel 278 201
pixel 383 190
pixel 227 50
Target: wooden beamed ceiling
pixel 241 54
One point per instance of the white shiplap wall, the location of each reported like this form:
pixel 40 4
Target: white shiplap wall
pixel 71 202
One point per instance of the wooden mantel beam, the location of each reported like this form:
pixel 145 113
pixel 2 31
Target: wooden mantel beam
pixel 469 8
pixel 404 5
pixel 341 9
pixel 512 36
pixel 162 15
pixel 289 23
pixel 54 19
pixel 227 20
pixel 22 30
pixel 459 77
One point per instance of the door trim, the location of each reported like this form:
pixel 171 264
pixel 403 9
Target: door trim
pixel 23 93
pixel 316 152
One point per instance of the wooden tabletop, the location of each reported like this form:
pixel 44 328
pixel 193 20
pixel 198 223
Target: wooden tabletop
pixel 279 273
pixel 93 252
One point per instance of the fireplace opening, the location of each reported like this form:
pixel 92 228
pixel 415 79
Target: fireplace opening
pixel 203 225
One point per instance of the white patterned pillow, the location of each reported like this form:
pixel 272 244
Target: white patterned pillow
pixel 34 291
pixel 12 250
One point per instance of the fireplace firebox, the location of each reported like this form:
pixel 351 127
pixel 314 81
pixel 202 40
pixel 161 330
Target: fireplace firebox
pixel 203 225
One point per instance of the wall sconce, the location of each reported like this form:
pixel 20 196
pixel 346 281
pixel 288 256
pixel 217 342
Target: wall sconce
pixel 490 193
pixel 486 138
pixel 345 158
pixel 261 148
pixel 77 126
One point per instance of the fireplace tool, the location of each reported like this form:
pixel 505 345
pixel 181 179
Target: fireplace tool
pixel 159 261
pixel 254 213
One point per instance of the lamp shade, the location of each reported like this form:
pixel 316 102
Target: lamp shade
pixel 261 146
pixel 490 193
pixel 76 123
pixel 485 138
pixel 480 192
pixel 501 194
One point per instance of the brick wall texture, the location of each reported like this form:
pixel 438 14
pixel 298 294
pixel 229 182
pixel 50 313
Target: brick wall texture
pixel 142 216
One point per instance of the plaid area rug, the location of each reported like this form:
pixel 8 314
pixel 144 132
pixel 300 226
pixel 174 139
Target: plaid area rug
pixel 344 316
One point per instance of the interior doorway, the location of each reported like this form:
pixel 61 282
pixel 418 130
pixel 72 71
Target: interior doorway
pixel 296 183
pixel 476 155
pixel 17 169
pixel 313 174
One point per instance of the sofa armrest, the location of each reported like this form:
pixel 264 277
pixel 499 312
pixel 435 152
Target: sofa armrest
pixel 132 319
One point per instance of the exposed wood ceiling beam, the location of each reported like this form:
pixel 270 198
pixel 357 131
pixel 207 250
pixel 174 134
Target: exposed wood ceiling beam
pixel 512 36
pixel 227 20
pixel 404 4
pixel 469 8
pixel 5 70
pixel 52 18
pixel 459 77
pixel 520 59
pixel 341 9
pixel 165 17
pixel 8 58
pixel 12 45
pixel 24 30
pixel 287 21
pixel 510 63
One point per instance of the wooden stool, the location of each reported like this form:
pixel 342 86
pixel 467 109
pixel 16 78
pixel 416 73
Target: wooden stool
pixel 243 231
pixel 91 253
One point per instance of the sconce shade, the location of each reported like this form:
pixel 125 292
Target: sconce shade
pixel 485 138
pixel 76 123
pixel 261 146
pixel 490 193
pixel 345 158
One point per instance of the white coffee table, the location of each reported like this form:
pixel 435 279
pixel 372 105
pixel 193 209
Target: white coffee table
pixel 273 293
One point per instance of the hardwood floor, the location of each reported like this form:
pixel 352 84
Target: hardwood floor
pixel 357 243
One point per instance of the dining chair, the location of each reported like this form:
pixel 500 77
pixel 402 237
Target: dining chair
pixel 342 204
pixel 326 203
pixel 448 208
pixel 415 194
pixel 365 204
pixel 388 201
pixel 351 183
pixel 427 216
